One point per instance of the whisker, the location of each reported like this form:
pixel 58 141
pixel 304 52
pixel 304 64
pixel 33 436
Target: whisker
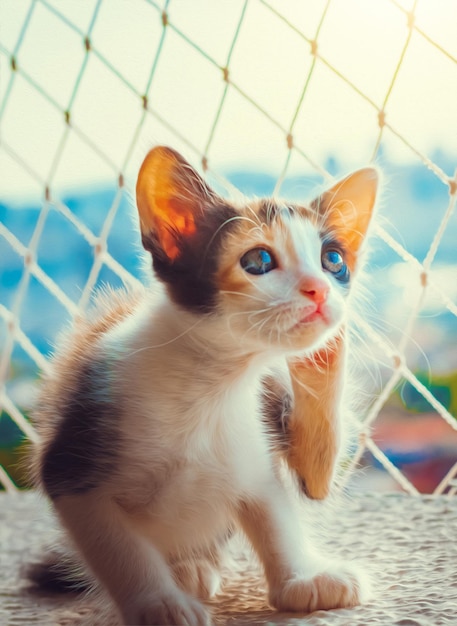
pixel 166 343
pixel 256 217
pixel 235 218
pixel 257 312
pixel 241 293
pixel 250 314
pixel 257 326
pixel 261 324
pixel 255 284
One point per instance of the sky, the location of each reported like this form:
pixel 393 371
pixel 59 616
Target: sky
pixel 269 66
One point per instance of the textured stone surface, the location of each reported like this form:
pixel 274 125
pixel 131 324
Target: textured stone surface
pixel 407 543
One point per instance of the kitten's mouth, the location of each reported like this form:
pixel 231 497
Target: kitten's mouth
pixel 312 314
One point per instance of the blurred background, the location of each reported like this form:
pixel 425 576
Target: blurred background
pixel 268 96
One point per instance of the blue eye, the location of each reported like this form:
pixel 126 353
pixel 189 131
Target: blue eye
pixel 333 262
pixel 258 261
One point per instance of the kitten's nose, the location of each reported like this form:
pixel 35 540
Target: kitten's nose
pixel 314 288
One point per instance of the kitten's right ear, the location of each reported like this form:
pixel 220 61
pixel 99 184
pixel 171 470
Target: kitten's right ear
pixel 348 208
pixel 171 196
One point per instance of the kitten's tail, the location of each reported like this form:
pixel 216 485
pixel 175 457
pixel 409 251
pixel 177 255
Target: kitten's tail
pixel 58 572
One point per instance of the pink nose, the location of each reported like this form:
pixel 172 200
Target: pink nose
pixel 314 288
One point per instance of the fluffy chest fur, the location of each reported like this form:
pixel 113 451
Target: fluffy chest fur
pixel 192 406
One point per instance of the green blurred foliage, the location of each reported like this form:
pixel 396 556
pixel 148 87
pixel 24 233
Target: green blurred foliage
pixel 13 451
pixel 442 386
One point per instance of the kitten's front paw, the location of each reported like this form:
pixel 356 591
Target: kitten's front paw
pixel 166 609
pixel 340 588
pixel 199 577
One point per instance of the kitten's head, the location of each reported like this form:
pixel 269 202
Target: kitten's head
pixel 276 275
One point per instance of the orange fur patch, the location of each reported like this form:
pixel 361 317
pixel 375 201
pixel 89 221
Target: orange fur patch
pixel 317 384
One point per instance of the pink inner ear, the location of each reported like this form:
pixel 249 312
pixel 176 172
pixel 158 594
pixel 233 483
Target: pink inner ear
pixel 166 199
pixel 176 220
pixel 182 219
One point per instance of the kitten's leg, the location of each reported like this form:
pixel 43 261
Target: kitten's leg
pixel 131 569
pixel 200 574
pixel 298 579
pixel 317 384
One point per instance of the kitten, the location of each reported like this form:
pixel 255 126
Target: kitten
pixel 164 417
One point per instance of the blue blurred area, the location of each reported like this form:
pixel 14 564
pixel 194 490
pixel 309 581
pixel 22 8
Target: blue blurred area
pixel 64 255
pixel 413 205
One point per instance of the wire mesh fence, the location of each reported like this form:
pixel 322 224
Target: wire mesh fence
pixel 91 86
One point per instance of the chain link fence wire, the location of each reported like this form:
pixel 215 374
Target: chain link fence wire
pixel 87 88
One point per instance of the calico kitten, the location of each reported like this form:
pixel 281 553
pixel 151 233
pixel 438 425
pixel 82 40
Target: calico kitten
pixel 158 418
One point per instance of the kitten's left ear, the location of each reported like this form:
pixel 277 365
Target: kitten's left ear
pixel 171 197
pixel 348 206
